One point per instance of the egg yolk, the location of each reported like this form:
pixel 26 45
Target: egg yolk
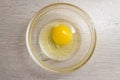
pixel 61 34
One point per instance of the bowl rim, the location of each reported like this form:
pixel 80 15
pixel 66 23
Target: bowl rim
pixel 69 69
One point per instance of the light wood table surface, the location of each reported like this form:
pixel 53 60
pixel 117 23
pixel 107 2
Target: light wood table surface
pixel 15 62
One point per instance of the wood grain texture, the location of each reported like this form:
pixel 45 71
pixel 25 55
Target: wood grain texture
pixel 15 62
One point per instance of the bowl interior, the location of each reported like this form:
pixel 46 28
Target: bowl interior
pixel 66 13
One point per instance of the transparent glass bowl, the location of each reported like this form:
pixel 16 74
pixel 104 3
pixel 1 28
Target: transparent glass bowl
pixel 67 13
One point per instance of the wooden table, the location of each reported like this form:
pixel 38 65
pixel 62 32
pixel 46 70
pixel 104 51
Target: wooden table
pixel 15 62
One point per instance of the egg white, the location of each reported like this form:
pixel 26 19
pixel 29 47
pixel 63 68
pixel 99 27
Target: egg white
pixel 56 52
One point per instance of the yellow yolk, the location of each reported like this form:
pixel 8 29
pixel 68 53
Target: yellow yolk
pixel 61 34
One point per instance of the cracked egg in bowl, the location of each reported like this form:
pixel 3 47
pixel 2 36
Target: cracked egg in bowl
pixel 61 38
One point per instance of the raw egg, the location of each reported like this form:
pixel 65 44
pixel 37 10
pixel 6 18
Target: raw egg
pixel 59 40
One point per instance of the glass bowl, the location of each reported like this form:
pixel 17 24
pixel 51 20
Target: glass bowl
pixel 65 13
